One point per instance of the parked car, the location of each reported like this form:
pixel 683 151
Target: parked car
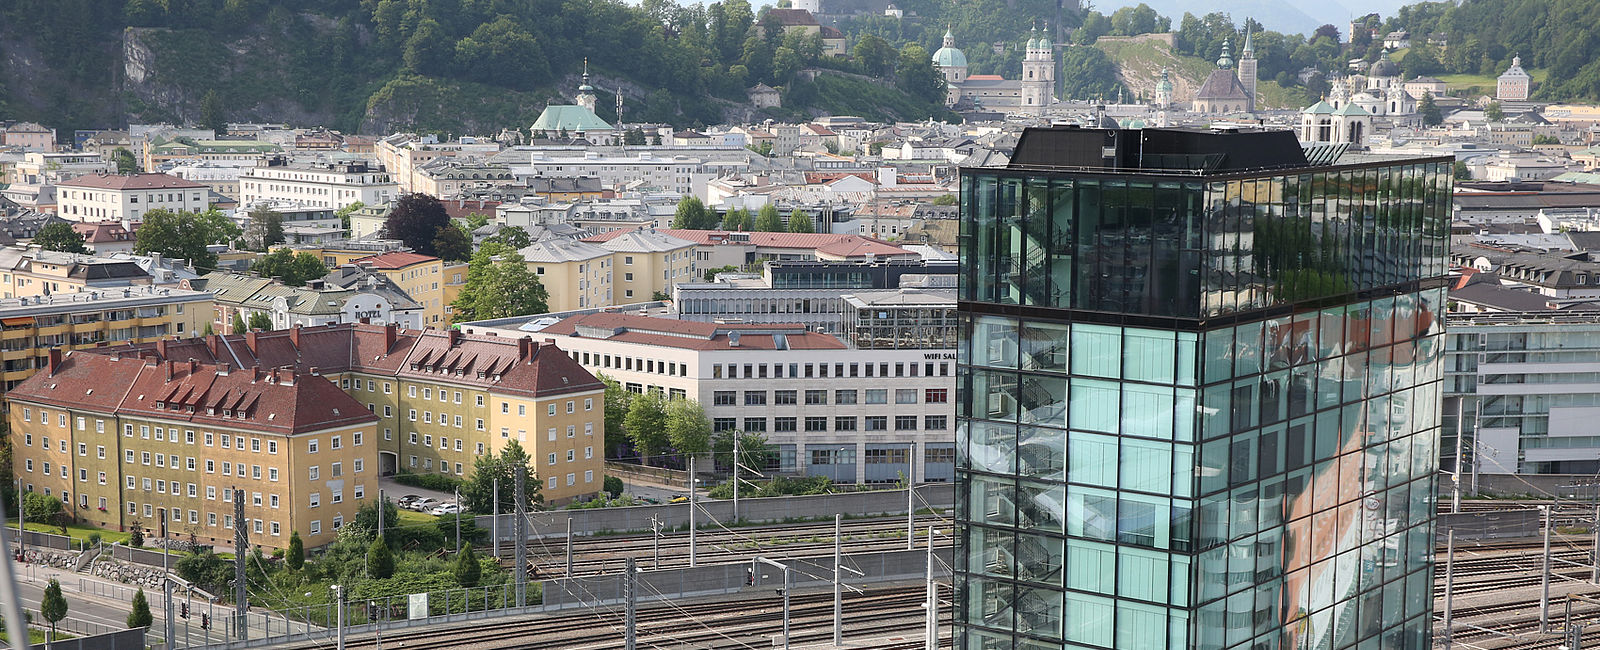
pixel 406 501
pixel 445 509
pixel 679 499
pixel 423 504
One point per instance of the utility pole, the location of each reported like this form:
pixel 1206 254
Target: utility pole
pixel 838 597
pixel 164 572
pixel 241 548
pixel 22 522
pixel 1455 478
pixel 735 475
pixel 8 582
pixel 1449 585
pixel 458 520
pixel 1594 576
pixel 338 597
pixel 786 590
pixel 382 501
pixel 171 626
pixel 631 594
pixel 655 541
pixel 691 516
pixel 569 547
pixel 932 629
pixel 495 523
pixel 521 549
pixel 911 517
pixel 1544 578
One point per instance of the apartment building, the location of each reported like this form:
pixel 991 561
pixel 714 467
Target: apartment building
pixel 648 262
pixel 577 275
pixel 442 398
pixel 677 174
pixel 855 416
pixel 32 272
pixel 322 185
pixel 40 168
pixel 121 439
pixel 185 150
pixel 115 197
pixel 373 299
pixel 630 267
pixel 422 277
pixel 31 326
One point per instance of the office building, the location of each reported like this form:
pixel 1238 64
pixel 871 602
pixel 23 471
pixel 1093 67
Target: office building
pixel 118 197
pixel 1199 390
pixel 317 185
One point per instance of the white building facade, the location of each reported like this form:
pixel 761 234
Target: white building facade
pixel 331 186
pixel 117 197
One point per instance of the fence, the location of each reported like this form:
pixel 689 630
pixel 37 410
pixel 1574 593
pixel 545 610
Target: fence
pixel 117 640
pixel 78 627
pixel 771 509
pixel 37 539
pixel 139 555
pixel 1496 524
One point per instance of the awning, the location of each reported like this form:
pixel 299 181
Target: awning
pixel 21 320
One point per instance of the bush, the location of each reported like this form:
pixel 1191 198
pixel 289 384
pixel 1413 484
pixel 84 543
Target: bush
pixel 437 482
pixel 613 486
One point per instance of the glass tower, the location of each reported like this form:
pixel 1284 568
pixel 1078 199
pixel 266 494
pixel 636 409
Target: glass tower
pixel 1199 393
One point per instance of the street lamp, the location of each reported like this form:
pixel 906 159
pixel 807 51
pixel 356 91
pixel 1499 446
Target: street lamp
pixel 786 589
pixel 338 599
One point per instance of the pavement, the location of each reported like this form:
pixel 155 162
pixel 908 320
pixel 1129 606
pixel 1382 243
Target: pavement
pixel 96 606
pixel 657 491
pixel 394 491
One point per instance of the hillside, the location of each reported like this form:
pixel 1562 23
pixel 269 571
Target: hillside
pixel 1140 59
pixel 437 65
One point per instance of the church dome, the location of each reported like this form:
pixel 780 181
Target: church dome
pixel 948 56
pixel 1383 68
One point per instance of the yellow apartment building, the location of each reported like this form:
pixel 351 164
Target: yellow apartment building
pixel 121 439
pixel 576 274
pixel 645 262
pixel 421 276
pixel 627 268
pixel 31 326
pixel 39 272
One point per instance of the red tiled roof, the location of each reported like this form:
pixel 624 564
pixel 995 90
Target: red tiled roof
pixel 395 260
pixel 130 182
pixel 102 232
pixel 818 178
pixel 689 335
pixel 463 209
pixel 280 401
pixel 984 77
pixel 809 241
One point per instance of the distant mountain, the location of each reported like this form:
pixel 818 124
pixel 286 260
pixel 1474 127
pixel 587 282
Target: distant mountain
pixel 1288 16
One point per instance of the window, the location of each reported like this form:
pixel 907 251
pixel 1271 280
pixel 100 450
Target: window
pixel 934 423
pixel 316 524
pixel 588 476
pixel 756 425
pixel 816 397
pixel 588 453
pixel 725 398
pixel 552 482
pixel 844 423
pixel 787 424
pixel 272 446
pixel 337 442
pixel 816 423
pixel 905 396
pixel 311 446
pixel 588 404
pixel 937 396
pixel 905 423
pixel 316 472
pixel 755 398
pixel 357 439
pixel 572 454
pixel 316 499
pixel 843 397
pixel 100 452
pixel 724 424
pixel 550 409
pixel 783 397
pixel 877 423
pixel 551 458
pixel 877 396
pixel 411 414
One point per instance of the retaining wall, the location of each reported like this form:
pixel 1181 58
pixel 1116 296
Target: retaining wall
pixel 120 640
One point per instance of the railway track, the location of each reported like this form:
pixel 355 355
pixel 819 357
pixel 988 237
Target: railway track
pixel 713 624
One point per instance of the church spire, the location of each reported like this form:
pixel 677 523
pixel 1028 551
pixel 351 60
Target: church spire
pixel 1249 51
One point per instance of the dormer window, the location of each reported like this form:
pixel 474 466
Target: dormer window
pixel 227 413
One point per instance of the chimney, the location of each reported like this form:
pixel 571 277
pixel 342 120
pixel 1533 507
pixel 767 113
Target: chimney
pixel 223 368
pixel 250 338
pixel 194 365
pixel 214 343
pixel 294 335
pixel 161 349
pixel 255 374
pixel 55 360
pixel 168 366
pixel 525 348
pixel 391 333
pixel 286 377
pixel 733 339
pixel 314 372
pixel 455 336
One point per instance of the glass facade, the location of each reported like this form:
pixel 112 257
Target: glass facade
pixel 1197 413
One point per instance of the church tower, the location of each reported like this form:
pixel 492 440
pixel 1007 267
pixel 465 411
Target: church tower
pixel 586 97
pixel 1038 73
pixel 1247 71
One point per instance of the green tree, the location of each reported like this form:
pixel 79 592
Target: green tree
pixel 499 285
pixel 514 238
pixel 1460 171
pixel 416 221
pixel 212 115
pixel 380 560
pixel 1431 115
pixel 294 268
pixel 693 215
pixel 239 325
pixel 136 535
pixel 452 244
pixel 1494 113
pixel 646 424
pixel 754 452
pixel 710 275
pixel 126 163
pixel 915 75
pixel 1545 139
pixel 260 321
pixel 60 236
pixel 768 219
pixel 688 428
pixel 800 223
pixel 53 606
pixel 617 401
pixel 185 235
pixel 1093 76
pixel 296 557
pixel 875 55
pixel 612 486
pixel 736 219
pixel 468 570
pixel 42 509
pixel 478 494
pixel 140 614
pixel 265 228
pixel 344 214
pixel 947 199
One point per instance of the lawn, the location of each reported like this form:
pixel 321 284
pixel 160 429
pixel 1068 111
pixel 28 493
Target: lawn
pixel 76 531
pixel 1485 82
pixel 36 636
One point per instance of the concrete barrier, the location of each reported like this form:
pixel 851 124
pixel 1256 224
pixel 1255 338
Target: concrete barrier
pixel 120 640
pixel 721 579
pixel 642 474
pixel 1495 524
pixel 553 523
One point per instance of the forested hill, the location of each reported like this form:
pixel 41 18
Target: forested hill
pixel 460 66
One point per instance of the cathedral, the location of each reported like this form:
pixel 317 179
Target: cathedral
pixel 1030 95
pixel 1227 90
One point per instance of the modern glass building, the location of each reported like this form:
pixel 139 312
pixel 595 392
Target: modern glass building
pixel 1199 393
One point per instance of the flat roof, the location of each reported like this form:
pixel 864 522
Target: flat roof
pixel 68 303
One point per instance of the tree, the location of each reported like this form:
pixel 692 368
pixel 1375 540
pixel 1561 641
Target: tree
pixel 296 557
pixel 452 244
pixel 136 535
pixel 693 215
pixel 467 569
pixel 768 220
pixel 876 56
pixel 265 229
pixel 140 614
pixel 800 223
pixel 1494 113
pixel 295 269
pixel 478 494
pixel 688 428
pixel 260 321
pixel 239 325
pixel 1431 116
pixel 646 424
pixel 1460 171
pixel 53 607
pixel 1545 139
pixel 416 221
pixel 499 285
pixel 754 452
pixel 42 509
pixel 126 163
pixel 211 113
pixel 60 236
pixel 514 238
pixel 1094 75
pixel 185 235
pixel 711 274
pixel 617 401
pixel 915 75
pixel 344 214
pixel 736 219
pixel 380 560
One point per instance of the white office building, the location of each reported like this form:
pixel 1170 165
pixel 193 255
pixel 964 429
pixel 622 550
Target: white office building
pixel 119 197
pixel 856 416
pixel 317 185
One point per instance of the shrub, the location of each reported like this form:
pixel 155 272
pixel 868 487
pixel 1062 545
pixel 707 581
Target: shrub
pixel 437 482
